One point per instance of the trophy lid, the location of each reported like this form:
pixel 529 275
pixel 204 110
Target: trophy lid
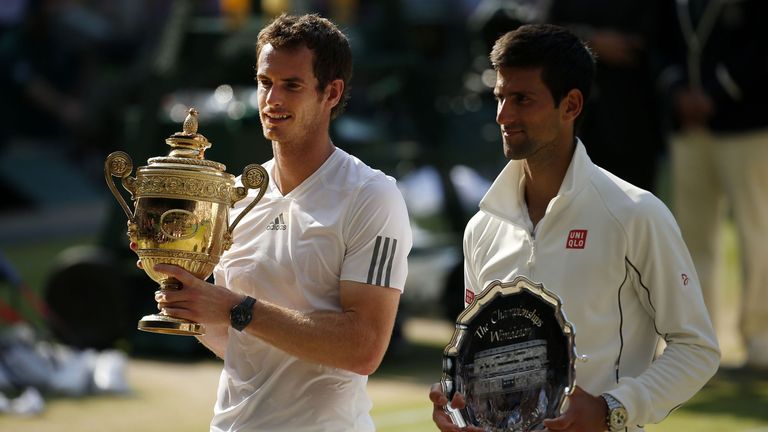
pixel 188 147
pixel 188 143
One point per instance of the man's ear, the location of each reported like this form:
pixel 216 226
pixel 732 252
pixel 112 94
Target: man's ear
pixel 572 105
pixel 333 92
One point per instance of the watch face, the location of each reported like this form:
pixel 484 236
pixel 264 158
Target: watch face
pixel 618 418
pixel 241 314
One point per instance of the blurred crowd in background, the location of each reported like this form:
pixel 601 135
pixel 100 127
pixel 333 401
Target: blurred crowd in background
pixel 82 78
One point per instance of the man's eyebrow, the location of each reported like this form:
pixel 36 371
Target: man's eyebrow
pixel 297 80
pixel 500 92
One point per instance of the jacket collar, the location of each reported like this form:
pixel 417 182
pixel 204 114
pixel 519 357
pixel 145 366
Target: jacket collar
pixel 505 198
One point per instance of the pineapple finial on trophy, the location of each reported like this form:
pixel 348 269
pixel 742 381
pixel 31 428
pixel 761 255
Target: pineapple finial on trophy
pixel 188 143
pixel 190 123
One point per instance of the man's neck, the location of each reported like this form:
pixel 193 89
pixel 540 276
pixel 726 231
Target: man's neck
pixel 543 178
pixel 295 163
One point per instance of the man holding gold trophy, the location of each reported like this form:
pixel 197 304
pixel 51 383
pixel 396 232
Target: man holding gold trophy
pixel 610 251
pixel 304 300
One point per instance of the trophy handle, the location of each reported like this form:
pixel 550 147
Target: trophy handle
pixel 254 176
pixel 119 164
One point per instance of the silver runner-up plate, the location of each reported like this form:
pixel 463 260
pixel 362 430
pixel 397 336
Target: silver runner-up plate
pixel 512 357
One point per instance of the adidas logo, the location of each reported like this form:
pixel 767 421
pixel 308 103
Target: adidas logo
pixel 278 224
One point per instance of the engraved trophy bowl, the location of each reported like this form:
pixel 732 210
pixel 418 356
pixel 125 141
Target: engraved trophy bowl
pixel 512 356
pixel 181 212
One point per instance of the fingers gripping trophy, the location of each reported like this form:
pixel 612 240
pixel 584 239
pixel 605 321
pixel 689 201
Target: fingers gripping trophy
pixel 181 212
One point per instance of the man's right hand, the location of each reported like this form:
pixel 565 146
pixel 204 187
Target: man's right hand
pixel 440 417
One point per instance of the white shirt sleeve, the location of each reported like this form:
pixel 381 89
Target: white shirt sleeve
pixel 377 235
pixel 667 285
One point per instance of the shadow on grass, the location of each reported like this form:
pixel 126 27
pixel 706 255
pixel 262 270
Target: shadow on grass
pixel 738 392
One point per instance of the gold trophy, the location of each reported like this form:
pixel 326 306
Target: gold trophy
pixel 181 215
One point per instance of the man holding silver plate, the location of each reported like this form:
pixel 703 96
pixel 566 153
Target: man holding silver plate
pixel 564 257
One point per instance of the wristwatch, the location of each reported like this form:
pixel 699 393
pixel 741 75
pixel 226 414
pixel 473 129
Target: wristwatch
pixel 241 314
pixel 616 420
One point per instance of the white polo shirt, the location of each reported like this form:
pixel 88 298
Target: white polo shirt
pixel 614 255
pixel 345 222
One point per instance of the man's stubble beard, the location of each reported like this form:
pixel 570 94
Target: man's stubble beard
pixel 519 151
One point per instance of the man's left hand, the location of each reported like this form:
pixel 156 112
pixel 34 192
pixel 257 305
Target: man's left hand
pixel 585 413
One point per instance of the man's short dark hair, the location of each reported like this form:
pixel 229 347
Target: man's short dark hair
pixel 332 57
pixel 566 62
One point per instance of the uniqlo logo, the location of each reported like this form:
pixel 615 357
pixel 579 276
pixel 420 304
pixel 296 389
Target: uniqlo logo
pixel 577 239
pixel 469 296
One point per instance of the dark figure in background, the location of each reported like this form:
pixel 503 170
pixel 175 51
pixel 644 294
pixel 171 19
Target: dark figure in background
pixel 42 75
pixel 621 127
pixel 67 71
pixel 717 79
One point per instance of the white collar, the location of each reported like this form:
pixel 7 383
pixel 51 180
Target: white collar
pixel 505 198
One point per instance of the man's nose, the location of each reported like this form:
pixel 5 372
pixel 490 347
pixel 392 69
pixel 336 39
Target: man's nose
pixel 274 97
pixel 504 113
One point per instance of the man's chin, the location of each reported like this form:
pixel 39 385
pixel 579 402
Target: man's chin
pixel 270 134
pixel 514 154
